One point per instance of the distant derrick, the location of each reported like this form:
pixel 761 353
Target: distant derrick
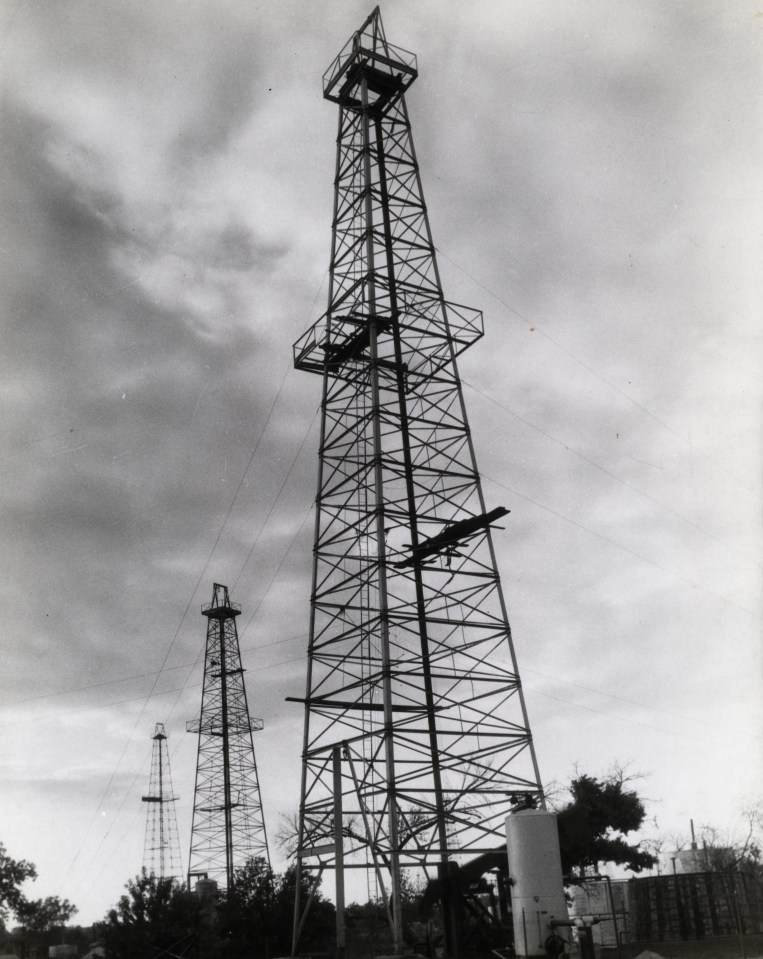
pixel 161 851
pixel 228 824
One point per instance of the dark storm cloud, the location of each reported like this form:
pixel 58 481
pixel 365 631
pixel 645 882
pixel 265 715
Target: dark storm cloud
pixel 111 391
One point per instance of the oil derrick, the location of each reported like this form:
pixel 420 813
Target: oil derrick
pixel 228 825
pixel 161 850
pixel 416 736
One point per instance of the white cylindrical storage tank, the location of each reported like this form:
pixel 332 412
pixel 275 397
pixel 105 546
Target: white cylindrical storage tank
pixel 205 888
pixel 537 887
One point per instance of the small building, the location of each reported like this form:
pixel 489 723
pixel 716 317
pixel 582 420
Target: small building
pixel 684 862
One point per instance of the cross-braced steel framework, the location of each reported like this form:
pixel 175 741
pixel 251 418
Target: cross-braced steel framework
pixel 228 824
pixel 416 733
pixel 161 850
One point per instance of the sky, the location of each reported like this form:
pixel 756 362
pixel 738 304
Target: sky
pixel 592 173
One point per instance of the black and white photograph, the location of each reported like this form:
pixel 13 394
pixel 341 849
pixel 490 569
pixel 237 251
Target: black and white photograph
pixel 382 441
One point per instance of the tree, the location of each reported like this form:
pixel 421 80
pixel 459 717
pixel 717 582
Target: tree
pixel 368 931
pixel 36 916
pixel 40 916
pixel 256 916
pixel 593 825
pixel 319 931
pixel 156 915
pixel 252 920
pixel 13 872
pixel 249 919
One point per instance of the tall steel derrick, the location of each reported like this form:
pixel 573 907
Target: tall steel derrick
pixel 161 850
pixel 228 824
pixel 416 733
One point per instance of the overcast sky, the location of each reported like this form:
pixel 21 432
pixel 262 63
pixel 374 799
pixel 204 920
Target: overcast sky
pixel 592 171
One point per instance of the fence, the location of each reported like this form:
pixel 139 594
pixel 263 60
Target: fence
pixel 661 908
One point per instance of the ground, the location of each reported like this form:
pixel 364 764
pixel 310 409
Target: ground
pixel 720 947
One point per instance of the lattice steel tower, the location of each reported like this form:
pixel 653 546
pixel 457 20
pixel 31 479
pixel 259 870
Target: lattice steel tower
pixel 228 824
pixel 416 733
pixel 161 850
